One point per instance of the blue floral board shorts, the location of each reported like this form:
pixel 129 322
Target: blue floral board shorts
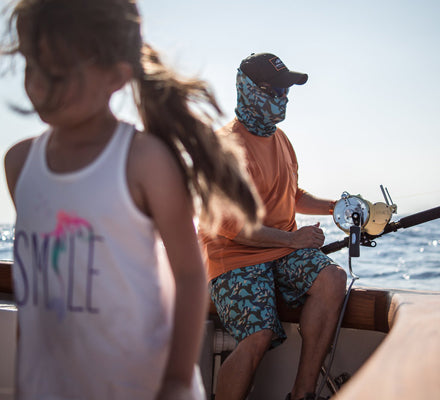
pixel 245 298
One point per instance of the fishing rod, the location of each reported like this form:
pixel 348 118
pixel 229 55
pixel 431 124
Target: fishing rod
pixel 367 239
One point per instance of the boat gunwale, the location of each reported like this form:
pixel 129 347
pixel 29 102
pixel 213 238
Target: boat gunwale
pixel 368 308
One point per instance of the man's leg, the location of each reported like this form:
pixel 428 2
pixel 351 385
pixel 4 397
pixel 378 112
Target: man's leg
pixel 310 278
pixel 236 373
pixel 246 305
pixel 318 322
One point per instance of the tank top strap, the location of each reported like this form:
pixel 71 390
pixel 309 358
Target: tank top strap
pixel 117 149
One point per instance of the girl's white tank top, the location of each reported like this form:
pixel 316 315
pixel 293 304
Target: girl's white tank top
pixel 93 287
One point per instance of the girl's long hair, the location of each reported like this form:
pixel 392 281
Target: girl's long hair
pixel 179 111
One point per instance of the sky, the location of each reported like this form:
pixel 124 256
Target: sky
pixel 368 115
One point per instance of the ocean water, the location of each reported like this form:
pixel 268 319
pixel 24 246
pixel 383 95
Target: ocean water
pixel 406 259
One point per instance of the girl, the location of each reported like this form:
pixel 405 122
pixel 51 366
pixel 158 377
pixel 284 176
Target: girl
pixel 101 315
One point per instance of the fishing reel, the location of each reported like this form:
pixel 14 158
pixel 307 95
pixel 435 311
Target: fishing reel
pixel 362 220
pixel 372 217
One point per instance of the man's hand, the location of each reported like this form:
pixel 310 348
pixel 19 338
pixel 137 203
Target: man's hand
pixel 310 236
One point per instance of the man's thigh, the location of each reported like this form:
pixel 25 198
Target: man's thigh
pixel 246 303
pixel 295 273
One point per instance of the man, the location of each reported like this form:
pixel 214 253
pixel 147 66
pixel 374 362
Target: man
pixel 244 268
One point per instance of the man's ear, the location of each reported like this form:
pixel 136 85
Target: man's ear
pixel 121 74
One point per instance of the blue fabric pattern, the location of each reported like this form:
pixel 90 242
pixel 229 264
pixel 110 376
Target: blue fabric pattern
pixel 245 298
pixel 256 110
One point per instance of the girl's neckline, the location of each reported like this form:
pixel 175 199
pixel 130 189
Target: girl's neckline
pixel 99 158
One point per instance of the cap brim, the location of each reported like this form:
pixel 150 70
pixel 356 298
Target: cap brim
pixel 288 78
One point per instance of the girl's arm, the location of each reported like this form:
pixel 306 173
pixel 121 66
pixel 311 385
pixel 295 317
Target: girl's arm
pixel 166 199
pixel 14 161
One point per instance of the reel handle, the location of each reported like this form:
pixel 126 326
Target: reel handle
pixel 355 236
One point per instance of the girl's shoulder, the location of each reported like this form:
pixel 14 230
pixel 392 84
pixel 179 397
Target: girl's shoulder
pixel 14 161
pixel 19 150
pixel 153 174
pixel 148 149
pixel 151 160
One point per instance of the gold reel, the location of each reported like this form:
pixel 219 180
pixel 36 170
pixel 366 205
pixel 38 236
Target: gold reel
pixel 374 217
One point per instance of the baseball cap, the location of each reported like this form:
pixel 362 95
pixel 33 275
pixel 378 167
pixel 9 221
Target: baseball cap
pixel 267 67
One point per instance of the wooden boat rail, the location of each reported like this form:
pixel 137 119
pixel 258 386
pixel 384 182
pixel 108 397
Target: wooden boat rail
pixel 6 277
pixel 366 309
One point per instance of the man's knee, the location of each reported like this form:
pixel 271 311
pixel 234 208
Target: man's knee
pixel 256 345
pixel 337 275
pixel 331 281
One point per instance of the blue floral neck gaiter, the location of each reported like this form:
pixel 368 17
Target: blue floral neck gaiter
pixel 257 111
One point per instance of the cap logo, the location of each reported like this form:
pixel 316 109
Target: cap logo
pixel 277 63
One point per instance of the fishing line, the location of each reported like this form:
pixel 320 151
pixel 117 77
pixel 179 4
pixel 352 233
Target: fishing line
pixel 338 330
